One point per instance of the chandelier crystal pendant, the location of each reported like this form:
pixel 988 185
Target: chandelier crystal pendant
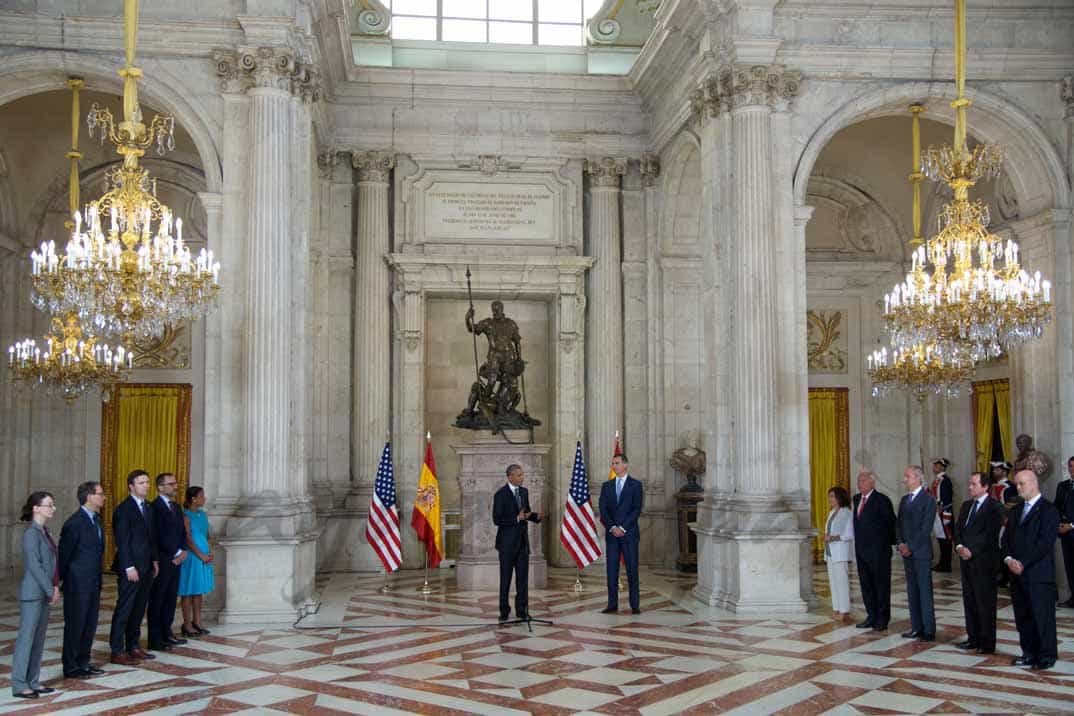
pixel 921 368
pixel 966 290
pixel 126 270
pixel 69 362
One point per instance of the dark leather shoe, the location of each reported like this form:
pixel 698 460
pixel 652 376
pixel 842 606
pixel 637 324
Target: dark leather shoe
pixel 45 690
pixel 159 646
pixel 911 634
pixel 125 659
pixel 1023 661
pixel 635 610
pixel 524 617
pixel 141 654
pixel 503 618
pixel 93 670
pixel 880 627
pixel 867 624
pixel 26 695
pixel 987 650
pixel 927 637
pixel 1068 604
pixel 966 645
pixel 1043 665
pixel 609 610
pixel 174 641
pixel 77 674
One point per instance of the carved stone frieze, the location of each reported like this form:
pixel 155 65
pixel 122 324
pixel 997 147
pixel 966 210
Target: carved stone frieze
pixel 489 164
pixel 277 67
pixel 373 166
pixel 605 171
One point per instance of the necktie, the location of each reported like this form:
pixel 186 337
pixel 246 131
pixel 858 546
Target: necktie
pixel 861 504
pixel 97 525
pixel 518 498
pixel 618 487
pixel 973 511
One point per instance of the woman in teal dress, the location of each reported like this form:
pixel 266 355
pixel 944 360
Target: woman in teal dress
pixel 196 574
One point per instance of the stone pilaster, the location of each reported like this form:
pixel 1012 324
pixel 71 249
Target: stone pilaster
pixel 604 332
pixel 749 533
pixel 270 540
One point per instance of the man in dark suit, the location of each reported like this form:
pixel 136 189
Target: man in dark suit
pixel 917 515
pixel 977 545
pixel 80 552
pixel 135 566
pixel 1029 549
pixel 511 514
pixel 620 507
pixel 1064 502
pixel 943 492
pixel 169 540
pixel 874 533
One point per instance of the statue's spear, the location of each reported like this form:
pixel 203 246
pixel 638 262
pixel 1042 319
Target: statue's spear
pixel 470 293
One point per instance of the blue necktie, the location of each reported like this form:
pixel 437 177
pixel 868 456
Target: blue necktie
pixel 618 488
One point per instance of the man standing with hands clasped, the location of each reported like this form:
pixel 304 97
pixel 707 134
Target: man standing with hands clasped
pixel 977 545
pixel 620 506
pixel 511 514
pixel 917 515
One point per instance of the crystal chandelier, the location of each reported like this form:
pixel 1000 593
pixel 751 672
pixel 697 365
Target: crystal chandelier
pixel 986 303
pixel 125 269
pixel 920 368
pixel 69 362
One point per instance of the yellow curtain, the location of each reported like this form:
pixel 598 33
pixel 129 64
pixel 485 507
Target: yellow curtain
pixel 989 396
pixel 829 453
pixel 1002 389
pixel 144 427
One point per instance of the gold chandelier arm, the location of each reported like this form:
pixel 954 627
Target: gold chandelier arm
pixel 917 177
pixel 74 155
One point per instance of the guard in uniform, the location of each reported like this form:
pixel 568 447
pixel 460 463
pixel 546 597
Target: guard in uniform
pixel 943 492
pixel 1003 492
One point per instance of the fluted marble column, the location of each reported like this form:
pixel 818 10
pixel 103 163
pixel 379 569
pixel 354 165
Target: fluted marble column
pixel 604 327
pixel 372 340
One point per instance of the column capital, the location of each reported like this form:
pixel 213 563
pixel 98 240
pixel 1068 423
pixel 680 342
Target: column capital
pixel 606 171
pixel 1066 93
pixel 327 161
pixel 649 167
pixel 736 85
pixel 277 67
pixel 373 165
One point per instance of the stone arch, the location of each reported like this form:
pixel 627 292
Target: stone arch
pixel 1035 170
pixel 29 73
pixel 683 156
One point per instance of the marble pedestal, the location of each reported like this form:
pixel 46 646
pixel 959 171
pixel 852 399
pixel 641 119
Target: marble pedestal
pixel 483 464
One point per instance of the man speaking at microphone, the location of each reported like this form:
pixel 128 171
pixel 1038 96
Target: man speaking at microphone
pixel 511 514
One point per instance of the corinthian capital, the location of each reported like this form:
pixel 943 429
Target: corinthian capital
pixel 1066 93
pixel 771 85
pixel 605 171
pixel 649 166
pixel 277 67
pixel 373 166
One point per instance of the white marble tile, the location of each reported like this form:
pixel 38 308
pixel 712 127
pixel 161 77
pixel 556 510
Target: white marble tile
pixel 854 679
pixel 592 658
pixel 773 662
pixel 688 663
pixel 229 675
pixel 783 699
pixel 792 645
pixel 506 661
pixel 571 698
pixel 326 672
pixel 420 671
pixel 611 677
pixel 890 701
pixel 513 678
pixel 267 695
pixel 538 644
pixel 694 697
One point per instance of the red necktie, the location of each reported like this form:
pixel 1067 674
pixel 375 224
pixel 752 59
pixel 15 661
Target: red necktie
pixel 861 504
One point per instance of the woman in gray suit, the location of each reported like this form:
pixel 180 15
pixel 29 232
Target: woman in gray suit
pixel 39 590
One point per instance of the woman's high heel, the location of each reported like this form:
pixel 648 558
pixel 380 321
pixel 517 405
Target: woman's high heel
pixel 190 634
pixel 202 631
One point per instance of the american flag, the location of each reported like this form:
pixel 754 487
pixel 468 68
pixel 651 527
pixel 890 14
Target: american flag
pixel 578 533
pixel 382 529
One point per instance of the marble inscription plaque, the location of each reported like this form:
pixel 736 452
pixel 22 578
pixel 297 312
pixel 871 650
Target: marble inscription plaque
pixel 475 211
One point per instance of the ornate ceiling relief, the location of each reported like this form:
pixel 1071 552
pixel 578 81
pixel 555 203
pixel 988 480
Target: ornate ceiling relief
pixel 827 342
pixel 849 223
pixel 170 350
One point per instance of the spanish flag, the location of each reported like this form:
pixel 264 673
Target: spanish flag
pixel 426 517
pixel 618 450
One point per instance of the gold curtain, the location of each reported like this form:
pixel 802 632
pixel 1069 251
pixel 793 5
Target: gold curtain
pixel 143 426
pixel 829 453
pixel 991 397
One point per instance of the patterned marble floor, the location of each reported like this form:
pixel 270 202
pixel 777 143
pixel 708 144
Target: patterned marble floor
pixel 370 653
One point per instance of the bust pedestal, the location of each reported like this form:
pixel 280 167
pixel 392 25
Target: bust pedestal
pixel 483 465
pixel 686 507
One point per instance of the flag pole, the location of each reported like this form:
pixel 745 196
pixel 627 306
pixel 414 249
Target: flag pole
pixel 387 586
pixel 578 582
pixel 426 588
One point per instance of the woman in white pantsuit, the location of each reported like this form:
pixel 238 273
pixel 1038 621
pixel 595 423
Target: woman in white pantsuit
pixel 838 551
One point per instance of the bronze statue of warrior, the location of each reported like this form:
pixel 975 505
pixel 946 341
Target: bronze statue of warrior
pixel 495 394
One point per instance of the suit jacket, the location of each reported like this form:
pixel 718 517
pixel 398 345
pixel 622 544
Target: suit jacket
pixel 624 511
pixel 1064 501
pixel 81 551
pixel 841 523
pixel 1031 540
pixel 134 538
pixel 874 528
pixel 169 531
pixel 38 564
pixel 512 536
pixel 981 536
pixel 914 526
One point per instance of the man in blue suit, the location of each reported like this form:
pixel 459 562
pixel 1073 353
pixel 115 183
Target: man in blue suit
pixel 917 515
pixel 80 552
pixel 620 506
pixel 1029 549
